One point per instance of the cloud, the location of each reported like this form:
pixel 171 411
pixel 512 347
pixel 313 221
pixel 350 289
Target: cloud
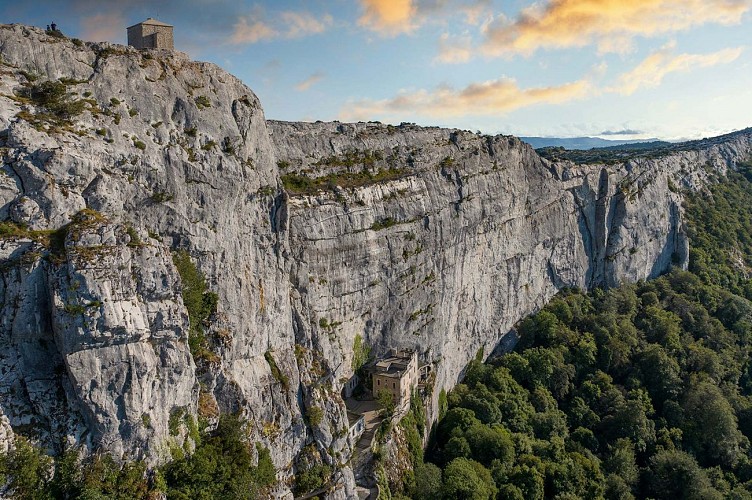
pixel 255 31
pixel 626 131
pixel 309 82
pixel 611 24
pixel 395 17
pixel 388 17
pixel 102 27
pixel 453 50
pixel 651 71
pixel 289 25
pixel 493 97
pixel 497 97
pixel 475 12
pixel 299 24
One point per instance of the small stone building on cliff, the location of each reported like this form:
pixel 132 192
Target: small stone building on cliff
pixel 151 34
pixel 397 374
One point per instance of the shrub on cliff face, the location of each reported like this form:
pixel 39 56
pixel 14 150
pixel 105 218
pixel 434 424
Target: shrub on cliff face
pixel 58 105
pixel 361 353
pixel 54 96
pixel 199 302
pixel 26 471
pixel 315 416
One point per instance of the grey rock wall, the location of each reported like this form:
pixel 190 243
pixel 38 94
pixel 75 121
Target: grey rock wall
pixel 484 232
pixel 452 239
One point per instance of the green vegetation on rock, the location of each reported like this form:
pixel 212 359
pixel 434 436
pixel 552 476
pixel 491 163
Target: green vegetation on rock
pixel 199 302
pixel 720 229
pixel 361 353
pixel 221 466
pixel 302 184
pixel 57 106
pixel 276 372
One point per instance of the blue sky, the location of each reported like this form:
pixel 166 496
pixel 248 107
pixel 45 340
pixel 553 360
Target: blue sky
pixel 613 68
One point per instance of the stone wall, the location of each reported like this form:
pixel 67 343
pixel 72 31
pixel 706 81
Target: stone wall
pixel 151 36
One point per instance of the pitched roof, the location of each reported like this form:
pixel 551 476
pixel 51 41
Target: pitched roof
pixel 153 22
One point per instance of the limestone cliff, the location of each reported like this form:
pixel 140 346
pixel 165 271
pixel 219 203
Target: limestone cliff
pixel 309 234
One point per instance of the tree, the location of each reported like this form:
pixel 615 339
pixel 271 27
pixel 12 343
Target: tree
pixel 490 443
pixel 428 483
pixel 538 330
pixel 617 488
pixel 630 421
pixel 361 353
pixel 457 447
pixel 222 466
pixel 385 400
pixel 456 420
pixel 529 480
pixel 467 479
pixel 27 471
pixel 622 461
pixel 710 426
pixel 660 374
pixel 661 327
pixel 675 474
pixel 486 408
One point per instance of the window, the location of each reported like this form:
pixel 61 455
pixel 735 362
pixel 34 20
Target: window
pixel 394 386
pixel 378 382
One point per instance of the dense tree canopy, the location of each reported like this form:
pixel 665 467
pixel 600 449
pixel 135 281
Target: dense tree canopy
pixel 642 391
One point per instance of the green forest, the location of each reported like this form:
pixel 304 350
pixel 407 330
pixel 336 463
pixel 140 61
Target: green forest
pixel 221 465
pixel 641 391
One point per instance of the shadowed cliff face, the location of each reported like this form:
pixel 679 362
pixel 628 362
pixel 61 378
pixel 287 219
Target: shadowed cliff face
pixel 433 239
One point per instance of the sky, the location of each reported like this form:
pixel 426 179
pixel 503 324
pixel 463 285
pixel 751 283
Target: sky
pixel 618 69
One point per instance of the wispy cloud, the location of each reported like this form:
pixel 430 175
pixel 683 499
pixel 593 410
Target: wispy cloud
pixel 102 27
pixel 299 24
pixel 453 50
pixel 498 97
pixel 653 69
pixel 487 98
pixel 251 31
pixel 610 24
pixel 290 24
pixel 309 82
pixel 476 12
pixel 626 131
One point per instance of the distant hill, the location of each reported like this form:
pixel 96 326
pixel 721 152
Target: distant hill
pixel 626 151
pixel 578 142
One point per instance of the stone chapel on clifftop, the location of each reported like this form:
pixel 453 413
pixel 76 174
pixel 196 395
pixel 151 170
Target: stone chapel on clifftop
pixel 151 34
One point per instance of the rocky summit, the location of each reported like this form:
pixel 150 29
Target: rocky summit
pixel 134 180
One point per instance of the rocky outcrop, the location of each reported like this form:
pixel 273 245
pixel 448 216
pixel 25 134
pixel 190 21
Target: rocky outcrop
pixel 309 234
pixel 178 152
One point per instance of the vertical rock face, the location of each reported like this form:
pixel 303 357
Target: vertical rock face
pixel 438 240
pixel 474 233
pixel 119 326
pixel 176 152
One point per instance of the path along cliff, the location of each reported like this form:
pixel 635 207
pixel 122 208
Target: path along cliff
pixel 310 234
